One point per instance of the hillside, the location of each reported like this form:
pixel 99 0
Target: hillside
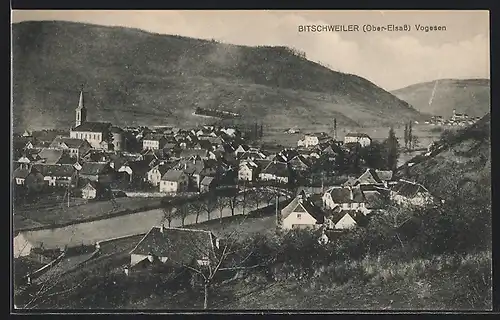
pixel 470 96
pixel 463 165
pixel 134 77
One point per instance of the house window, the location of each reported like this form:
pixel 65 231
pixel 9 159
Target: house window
pixel 299 216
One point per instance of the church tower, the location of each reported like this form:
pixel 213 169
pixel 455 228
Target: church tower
pixel 81 111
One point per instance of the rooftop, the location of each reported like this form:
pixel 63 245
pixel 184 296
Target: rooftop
pixel 301 204
pixel 181 246
pixel 93 127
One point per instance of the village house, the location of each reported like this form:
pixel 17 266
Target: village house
pixel 345 198
pixel 175 248
pixel 253 154
pixel 196 169
pixel 57 175
pixel 135 171
pixel 153 176
pixel 30 178
pixel 410 193
pixel 375 177
pixel 241 149
pixel 248 170
pixel 231 132
pixel 28 159
pixel 311 140
pixel 93 190
pixel 347 219
pixel 299 164
pixel 301 213
pixel 330 152
pixel 174 181
pixel 355 137
pixel 153 141
pixel 201 153
pixel 97 171
pixel 275 171
pixel 76 147
pixel 207 184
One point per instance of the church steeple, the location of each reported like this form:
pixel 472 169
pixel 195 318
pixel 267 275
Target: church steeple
pixel 81 111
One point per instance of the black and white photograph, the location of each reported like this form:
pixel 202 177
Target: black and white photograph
pixel 209 160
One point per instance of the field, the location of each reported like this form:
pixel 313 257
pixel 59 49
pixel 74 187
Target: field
pixel 54 212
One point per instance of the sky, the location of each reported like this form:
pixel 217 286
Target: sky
pixel 391 60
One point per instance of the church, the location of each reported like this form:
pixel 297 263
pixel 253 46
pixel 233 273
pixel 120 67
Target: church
pixel 100 135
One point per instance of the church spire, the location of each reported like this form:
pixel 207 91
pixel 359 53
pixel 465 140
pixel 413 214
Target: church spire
pixel 80 102
pixel 81 111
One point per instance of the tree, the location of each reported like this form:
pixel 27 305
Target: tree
pixel 208 203
pixel 374 155
pixel 392 150
pixel 168 213
pixel 196 208
pixel 414 142
pixel 183 210
pixel 410 133
pixel 231 255
pixel 335 128
pixel 406 135
pixel 221 205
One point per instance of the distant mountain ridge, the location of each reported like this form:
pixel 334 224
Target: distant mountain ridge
pixel 135 77
pixel 470 96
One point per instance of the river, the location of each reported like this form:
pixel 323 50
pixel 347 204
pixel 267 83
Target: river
pixel 88 233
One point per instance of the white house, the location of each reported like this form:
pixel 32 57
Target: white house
pixel 153 142
pixel 301 213
pixel 90 190
pixel 241 149
pixel 309 140
pixel 174 181
pixel 349 219
pixel 247 170
pixel 362 138
pixel 154 175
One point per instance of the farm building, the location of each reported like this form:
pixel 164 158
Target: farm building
pixel 175 247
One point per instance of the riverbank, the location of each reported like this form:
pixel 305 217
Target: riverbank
pixel 126 224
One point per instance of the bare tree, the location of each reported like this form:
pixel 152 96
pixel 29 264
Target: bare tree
pixel 196 208
pixel 227 257
pixel 221 205
pixel 168 213
pixel 208 204
pixel 183 210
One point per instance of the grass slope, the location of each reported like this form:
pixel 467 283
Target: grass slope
pixel 471 96
pixel 464 164
pixel 135 77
